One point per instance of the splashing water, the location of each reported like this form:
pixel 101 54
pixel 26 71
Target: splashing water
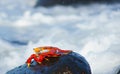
pixel 91 30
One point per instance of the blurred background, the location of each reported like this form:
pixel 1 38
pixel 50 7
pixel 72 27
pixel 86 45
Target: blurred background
pixel 91 28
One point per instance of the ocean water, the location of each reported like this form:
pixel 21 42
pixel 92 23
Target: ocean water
pixel 91 30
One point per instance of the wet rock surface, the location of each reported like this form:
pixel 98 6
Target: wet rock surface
pixel 71 63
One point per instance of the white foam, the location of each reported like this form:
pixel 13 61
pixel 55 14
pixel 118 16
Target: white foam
pixel 91 30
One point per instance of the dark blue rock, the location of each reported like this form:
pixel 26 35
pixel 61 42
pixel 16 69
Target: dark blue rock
pixel 118 72
pixel 71 63
pixel 71 2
